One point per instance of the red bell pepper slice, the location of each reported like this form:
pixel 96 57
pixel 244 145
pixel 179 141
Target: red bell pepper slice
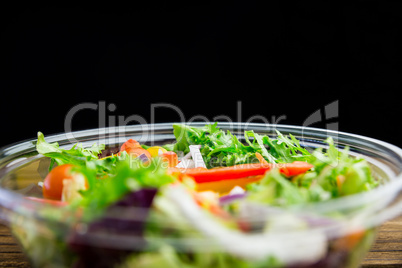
pixel 202 175
pixel 295 168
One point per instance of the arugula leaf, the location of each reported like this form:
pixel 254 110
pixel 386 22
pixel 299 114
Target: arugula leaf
pixel 292 146
pixel 281 150
pixel 217 147
pixel 260 146
pixel 224 149
pixel 186 135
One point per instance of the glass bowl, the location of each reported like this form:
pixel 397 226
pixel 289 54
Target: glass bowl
pixel 327 240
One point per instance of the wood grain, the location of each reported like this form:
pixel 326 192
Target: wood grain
pixel 386 251
pixel 11 254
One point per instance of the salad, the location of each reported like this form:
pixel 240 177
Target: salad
pixel 207 199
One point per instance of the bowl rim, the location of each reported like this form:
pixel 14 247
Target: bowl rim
pixel 157 126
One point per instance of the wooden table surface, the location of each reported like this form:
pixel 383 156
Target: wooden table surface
pixel 386 252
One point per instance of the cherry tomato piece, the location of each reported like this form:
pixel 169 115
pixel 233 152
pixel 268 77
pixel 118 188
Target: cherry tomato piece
pixel 130 144
pixel 53 183
pixel 133 148
pixel 135 152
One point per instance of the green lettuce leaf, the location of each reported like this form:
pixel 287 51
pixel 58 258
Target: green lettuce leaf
pixel 335 174
pixel 76 155
pixel 130 176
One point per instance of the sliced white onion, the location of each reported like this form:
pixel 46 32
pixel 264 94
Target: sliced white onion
pixel 143 157
pixel 289 248
pixel 197 156
pixel 186 163
pixel 237 190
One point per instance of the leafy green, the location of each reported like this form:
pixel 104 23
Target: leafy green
pixel 110 178
pixel 259 145
pixel 276 189
pixel 224 149
pixel 290 149
pixel 280 150
pixel 77 155
pixel 338 165
pixel 335 174
pixel 218 148
pixel 130 175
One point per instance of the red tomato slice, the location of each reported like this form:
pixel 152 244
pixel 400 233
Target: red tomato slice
pixel 130 144
pixel 135 152
pixel 53 183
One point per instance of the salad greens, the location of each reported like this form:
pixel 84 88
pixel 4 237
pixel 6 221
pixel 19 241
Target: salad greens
pixel 76 155
pixel 225 149
pixel 335 174
pixel 120 174
pixel 218 148
pixel 276 172
pixel 127 179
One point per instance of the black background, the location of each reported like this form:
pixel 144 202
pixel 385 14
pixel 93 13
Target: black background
pixel 277 61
